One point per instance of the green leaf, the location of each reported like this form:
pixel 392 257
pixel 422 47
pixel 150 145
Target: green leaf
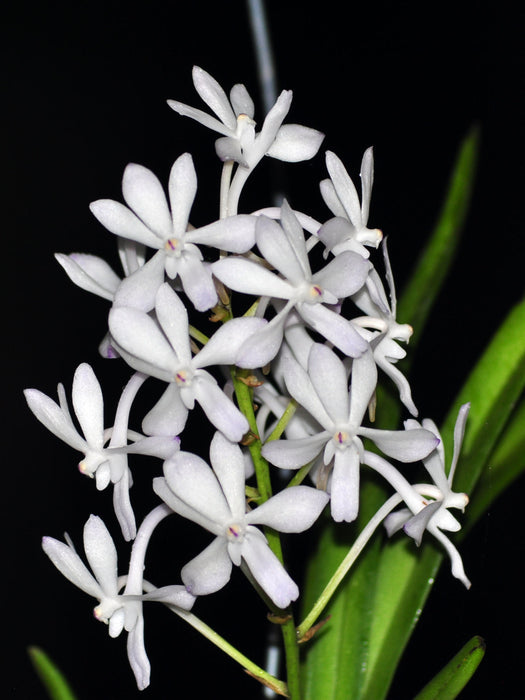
pixel 451 680
pixel 336 657
pixel 56 685
pixel 436 259
pixel 505 464
pixel 493 389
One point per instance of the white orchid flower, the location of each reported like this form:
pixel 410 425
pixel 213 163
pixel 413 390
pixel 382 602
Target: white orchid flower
pixel 118 611
pixel 384 330
pixel 311 295
pixel 163 350
pixel 348 230
pixel 323 392
pixel 432 511
pixel 149 220
pixel 215 499
pixel 239 141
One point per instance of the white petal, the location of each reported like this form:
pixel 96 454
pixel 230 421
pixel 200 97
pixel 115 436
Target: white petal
pixel 228 464
pixel 145 196
pixel 277 249
pixel 172 595
pixel 220 410
pixel 250 278
pixel 138 659
pixel 168 416
pixel 268 570
pixel 335 328
pixel 101 555
pixel 140 288
pixel 182 190
pixel 55 420
pixel 139 335
pixel 197 281
pixel 235 234
pixel 293 454
pixel 91 273
pixel 241 101
pixel 209 571
pixel 173 318
pixel 344 188
pixel 403 445
pixel 301 388
pixel 364 381
pixel 344 275
pixel 223 346
pixel 71 566
pixel 120 220
pixel 295 143
pixel 214 96
pixel 367 181
pixel 261 347
pixel 177 505
pixel 88 403
pixel 293 510
pixel 193 481
pixel 344 487
pixel 329 379
pixel 199 116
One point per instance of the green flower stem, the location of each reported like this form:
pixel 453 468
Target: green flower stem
pixel 196 334
pixel 244 396
pixel 253 669
pixel 262 473
pixel 346 564
pixel 283 421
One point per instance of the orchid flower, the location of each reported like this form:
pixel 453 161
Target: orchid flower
pixel 150 221
pixel 239 142
pixel 323 392
pixel 116 610
pixel 215 499
pixel 431 510
pixel 348 230
pixel 163 350
pixel 309 294
pixel 381 318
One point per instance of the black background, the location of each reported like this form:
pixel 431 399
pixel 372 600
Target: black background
pixel 86 87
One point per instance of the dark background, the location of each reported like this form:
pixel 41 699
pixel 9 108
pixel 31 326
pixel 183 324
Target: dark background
pixel 85 89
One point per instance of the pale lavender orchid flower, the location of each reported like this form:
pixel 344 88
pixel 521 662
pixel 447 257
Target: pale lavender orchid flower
pixel 119 611
pixel 429 510
pixel 323 392
pixel 163 350
pixel 311 295
pixel 239 141
pixel 151 221
pixel 215 499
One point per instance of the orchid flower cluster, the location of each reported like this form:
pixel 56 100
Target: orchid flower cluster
pixel 286 374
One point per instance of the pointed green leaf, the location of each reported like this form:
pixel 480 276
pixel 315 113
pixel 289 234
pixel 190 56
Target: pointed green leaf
pixel 451 680
pixel 335 659
pixel 505 464
pixel 56 685
pixel 405 576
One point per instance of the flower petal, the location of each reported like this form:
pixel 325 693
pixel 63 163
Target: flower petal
pixel 293 454
pixel 209 571
pixel 101 554
pixel 88 403
pixel 267 570
pixel 71 566
pixel 294 143
pixel 144 194
pixel 293 510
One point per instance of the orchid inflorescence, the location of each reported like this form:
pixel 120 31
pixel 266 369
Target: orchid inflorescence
pixel 289 385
